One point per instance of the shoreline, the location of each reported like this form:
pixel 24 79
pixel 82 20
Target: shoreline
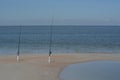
pixel 37 65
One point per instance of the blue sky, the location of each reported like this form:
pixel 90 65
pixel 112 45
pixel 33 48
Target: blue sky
pixel 66 12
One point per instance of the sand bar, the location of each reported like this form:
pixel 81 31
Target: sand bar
pixel 36 67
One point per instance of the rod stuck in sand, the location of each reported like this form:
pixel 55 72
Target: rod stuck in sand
pixel 50 41
pixel 19 42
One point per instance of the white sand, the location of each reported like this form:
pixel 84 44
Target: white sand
pixel 36 67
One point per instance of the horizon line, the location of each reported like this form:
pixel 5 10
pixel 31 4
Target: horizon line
pixel 61 25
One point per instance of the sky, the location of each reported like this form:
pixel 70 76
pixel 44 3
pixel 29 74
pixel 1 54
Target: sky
pixel 65 12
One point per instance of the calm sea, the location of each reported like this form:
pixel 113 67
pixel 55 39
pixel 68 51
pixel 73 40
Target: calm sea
pixel 66 39
pixel 98 70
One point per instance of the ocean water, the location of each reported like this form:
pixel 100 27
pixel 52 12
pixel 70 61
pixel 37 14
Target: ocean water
pixel 65 39
pixel 98 70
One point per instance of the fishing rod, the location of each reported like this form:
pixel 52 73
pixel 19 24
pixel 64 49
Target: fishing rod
pixel 19 42
pixel 50 41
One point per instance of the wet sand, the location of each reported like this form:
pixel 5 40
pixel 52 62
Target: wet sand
pixel 36 67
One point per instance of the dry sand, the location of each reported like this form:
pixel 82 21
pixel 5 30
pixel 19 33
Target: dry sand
pixel 36 67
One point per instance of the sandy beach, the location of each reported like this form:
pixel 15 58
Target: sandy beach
pixel 36 67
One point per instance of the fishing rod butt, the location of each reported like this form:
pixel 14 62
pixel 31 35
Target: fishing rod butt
pixel 18 58
pixel 49 59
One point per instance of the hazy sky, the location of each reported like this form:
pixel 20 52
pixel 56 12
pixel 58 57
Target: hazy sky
pixel 66 12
